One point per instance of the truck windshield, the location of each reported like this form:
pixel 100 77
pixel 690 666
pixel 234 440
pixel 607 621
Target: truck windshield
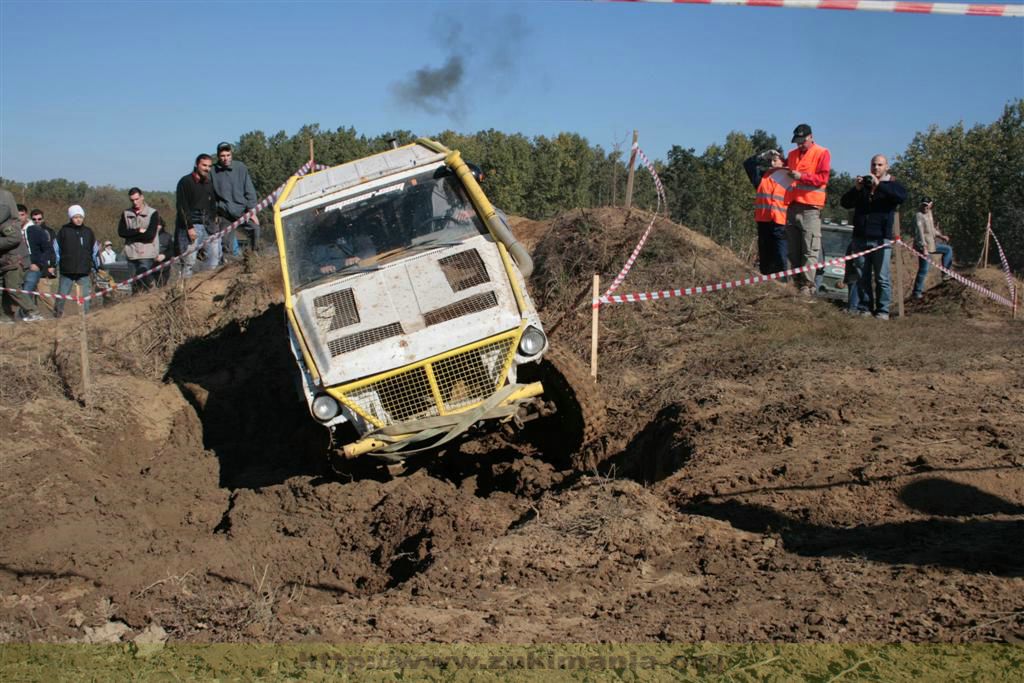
pixel 369 229
pixel 834 242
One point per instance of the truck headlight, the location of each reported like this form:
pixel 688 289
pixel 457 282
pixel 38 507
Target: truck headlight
pixel 532 341
pixel 325 408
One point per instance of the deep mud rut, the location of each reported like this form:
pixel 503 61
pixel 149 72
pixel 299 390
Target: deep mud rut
pixel 777 471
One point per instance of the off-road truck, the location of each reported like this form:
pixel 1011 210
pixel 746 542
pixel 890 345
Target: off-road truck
pixel 408 312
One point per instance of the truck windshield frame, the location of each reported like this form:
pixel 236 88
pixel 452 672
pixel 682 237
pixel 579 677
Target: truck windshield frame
pixel 369 229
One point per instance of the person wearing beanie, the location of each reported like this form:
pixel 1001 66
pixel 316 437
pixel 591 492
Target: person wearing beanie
pixel 14 260
pixel 77 245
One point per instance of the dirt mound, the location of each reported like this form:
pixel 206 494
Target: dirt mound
pixel 951 298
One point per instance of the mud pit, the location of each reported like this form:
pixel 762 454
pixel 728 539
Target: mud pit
pixel 778 472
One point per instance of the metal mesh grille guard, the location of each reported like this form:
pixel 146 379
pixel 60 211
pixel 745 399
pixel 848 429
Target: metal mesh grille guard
pixel 461 380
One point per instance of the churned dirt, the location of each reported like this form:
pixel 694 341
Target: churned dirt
pixel 776 471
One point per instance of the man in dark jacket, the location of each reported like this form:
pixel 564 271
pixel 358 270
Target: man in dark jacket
pixel 14 260
pixel 196 212
pixel 874 198
pixel 76 242
pixel 165 252
pixel 43 260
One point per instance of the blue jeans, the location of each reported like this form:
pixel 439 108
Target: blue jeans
pixel 191 250
pixel 66 283
pixel 922 266
pixel 873 287
pixel 32 278
pixel 141 266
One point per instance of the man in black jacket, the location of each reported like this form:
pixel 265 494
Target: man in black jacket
pixel 197 210
pixel 42 258
pixel 874 198
pixel 76 243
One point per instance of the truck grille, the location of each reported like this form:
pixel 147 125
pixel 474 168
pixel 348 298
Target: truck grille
pixel 336 309
pixel 461 380
pixel 464 270
pixel 467 306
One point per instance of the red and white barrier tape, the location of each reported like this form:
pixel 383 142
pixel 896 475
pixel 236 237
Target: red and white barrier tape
pixel 246 217
pixel 949 8
pixel 961 279
pixel 249 215
pixel 662 201
pixel 1006 266
pixel 604 300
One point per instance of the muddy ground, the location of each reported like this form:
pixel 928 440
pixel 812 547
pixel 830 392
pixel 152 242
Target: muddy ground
pixel 777 472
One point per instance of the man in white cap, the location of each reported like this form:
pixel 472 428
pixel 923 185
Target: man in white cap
pixel 14 260
pixel 77 244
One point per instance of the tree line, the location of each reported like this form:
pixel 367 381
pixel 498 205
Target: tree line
pixel 968 172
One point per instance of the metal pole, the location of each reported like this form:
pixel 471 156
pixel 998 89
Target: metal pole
pixel 629 178
pixel 593 326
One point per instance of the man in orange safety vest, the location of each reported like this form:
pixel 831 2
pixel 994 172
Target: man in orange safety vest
pixel 809 165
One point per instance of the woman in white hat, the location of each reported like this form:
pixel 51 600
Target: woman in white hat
pixel 76 241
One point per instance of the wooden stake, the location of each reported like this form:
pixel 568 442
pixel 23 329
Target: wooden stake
pixel 85 352
pixel 629 178
pixel 311 155
pixel 984 251
pixel 593 327
pixel 897 258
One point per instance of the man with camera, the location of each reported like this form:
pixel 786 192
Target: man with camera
pixel 809 166
pixel 196 210
pixel 874 198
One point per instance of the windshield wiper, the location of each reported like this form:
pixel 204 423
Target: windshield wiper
pixel 432 244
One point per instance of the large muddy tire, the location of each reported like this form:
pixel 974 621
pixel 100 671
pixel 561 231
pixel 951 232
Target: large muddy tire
pixel 576 432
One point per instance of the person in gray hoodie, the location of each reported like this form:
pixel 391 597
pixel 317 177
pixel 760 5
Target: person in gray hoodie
pixel 235 194
pixel 138 227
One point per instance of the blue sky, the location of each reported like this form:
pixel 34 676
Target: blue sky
pixel 127 93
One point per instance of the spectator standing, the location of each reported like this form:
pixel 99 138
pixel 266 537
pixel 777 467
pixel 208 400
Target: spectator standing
pixel 14 258
pixel 77 252
pixel 235 194
pixel 196 212
pixel 165 246
pixel 43 260
pixel 874 198
pixel 138 226
pixel 925 242
pixel 809 165
pixel 769 210
pixel 108 255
